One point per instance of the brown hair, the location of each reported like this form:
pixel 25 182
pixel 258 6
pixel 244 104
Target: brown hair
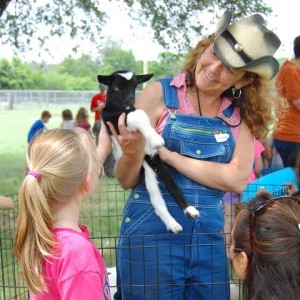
pixel 46 114
pixel 67 115
pixel 63 158
pixel 274 257
pixel 259 97
pixel 82 115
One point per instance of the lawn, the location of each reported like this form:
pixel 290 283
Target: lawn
pixel 14 125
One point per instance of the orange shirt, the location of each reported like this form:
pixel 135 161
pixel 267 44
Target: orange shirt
pixel 288 84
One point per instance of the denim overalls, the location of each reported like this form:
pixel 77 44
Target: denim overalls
pixel 155 264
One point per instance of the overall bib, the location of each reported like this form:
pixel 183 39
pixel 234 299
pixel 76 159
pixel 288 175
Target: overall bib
pixel 155 264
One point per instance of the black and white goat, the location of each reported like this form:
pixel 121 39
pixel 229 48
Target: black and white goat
pixel 120 98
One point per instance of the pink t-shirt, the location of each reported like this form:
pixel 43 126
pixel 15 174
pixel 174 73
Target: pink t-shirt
pixel 78 271
pixel 185 107
pixel 258 150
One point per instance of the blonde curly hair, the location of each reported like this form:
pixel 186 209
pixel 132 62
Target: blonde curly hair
pixel 261 101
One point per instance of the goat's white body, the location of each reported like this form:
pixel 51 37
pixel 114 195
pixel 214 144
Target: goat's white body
pixel 138 120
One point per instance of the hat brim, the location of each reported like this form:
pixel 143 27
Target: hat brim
pixel 266 66
pixel 223 23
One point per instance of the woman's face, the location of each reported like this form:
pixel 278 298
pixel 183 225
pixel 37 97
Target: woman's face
pixel 213 77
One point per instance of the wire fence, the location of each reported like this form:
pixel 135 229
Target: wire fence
pixel 103 215
pixel 9 99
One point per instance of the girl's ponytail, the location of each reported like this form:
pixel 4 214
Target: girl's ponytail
pixel 34 239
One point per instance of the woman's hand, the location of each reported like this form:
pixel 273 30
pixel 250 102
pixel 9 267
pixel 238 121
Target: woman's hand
pixel 290 189
pixel 131 143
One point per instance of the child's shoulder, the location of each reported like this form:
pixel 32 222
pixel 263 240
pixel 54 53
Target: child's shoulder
pixel 75 249
pixel 72 243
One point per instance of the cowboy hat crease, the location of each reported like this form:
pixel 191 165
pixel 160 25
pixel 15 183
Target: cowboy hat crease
pixel 247 44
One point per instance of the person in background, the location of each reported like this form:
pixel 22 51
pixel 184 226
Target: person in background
pixel 265 248
pixel 287 133
pixel 96 106
pixel 207 115
pixel 38 126
pixel 68 122
pixel 82 119
pixel 6 203
pixel 231 200
pixel 57 257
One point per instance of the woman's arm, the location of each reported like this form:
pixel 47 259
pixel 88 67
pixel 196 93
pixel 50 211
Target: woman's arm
pixel 104 145
pixel 227 177
pixel 128 167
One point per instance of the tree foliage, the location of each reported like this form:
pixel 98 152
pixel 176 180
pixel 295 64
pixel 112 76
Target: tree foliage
pixel 174 22
pixel 81 73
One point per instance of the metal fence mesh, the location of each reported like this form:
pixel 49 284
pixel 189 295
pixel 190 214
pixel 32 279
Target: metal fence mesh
pixel 102 214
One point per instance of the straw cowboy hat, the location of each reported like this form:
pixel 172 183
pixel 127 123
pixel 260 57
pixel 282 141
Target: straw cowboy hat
pixel 247 44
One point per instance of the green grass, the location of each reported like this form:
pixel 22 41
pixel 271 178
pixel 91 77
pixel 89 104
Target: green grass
pixel 14 125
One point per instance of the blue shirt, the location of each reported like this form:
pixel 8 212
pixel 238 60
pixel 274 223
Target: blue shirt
pixel 36 128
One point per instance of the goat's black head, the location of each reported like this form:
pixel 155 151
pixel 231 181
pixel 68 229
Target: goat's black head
pixel 121 87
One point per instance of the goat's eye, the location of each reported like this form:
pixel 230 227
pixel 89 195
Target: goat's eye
pixel 116 88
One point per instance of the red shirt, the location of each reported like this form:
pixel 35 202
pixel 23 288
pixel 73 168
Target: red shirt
pixel 96 100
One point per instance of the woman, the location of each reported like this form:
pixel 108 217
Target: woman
pixel 265 250
pixel 207 116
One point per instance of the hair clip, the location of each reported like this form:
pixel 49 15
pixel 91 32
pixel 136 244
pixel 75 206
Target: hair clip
pixel 35 174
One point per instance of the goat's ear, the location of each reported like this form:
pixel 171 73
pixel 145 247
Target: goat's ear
pixel 143 78
pixel 105 79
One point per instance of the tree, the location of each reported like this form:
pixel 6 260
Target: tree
pixel 173 21
pixel 114 58
pixel 167 65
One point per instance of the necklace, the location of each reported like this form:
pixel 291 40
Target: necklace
pixel 199 107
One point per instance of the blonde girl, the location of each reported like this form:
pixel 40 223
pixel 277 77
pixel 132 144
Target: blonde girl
pixel 82 119
pixel 57 257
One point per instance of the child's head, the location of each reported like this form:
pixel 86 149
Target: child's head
pixel 62 166
pixel 67 115
pixel 266 248
pixel 82 115
pixel 102 88
pixel 45 116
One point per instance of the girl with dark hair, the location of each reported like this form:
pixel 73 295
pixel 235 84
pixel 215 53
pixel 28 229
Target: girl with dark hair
pixel 266 248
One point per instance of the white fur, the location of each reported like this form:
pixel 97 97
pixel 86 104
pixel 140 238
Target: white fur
pixel 127 75
pixel 138 120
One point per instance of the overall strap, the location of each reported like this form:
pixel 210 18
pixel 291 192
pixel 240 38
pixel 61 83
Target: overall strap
pixel 169 93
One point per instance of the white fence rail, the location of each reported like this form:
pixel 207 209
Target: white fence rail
pixel 11 98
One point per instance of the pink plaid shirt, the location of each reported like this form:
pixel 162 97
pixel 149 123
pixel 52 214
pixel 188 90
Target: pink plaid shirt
pixel 185 107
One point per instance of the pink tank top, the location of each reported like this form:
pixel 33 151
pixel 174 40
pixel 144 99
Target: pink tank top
pixel 186 108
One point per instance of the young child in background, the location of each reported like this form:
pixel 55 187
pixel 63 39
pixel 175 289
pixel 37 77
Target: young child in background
pixel 57 257
pixel 265 248
pixel 68 122
pixel 231 200
pixel 38 126
pixel 82 119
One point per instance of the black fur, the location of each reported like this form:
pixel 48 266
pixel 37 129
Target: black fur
pixel 120 98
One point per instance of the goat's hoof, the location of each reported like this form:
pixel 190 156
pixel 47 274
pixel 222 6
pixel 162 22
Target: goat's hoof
pixel 174 227
pixel 191 212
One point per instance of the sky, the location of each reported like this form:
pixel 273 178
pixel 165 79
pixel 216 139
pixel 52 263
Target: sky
pixel 284 21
